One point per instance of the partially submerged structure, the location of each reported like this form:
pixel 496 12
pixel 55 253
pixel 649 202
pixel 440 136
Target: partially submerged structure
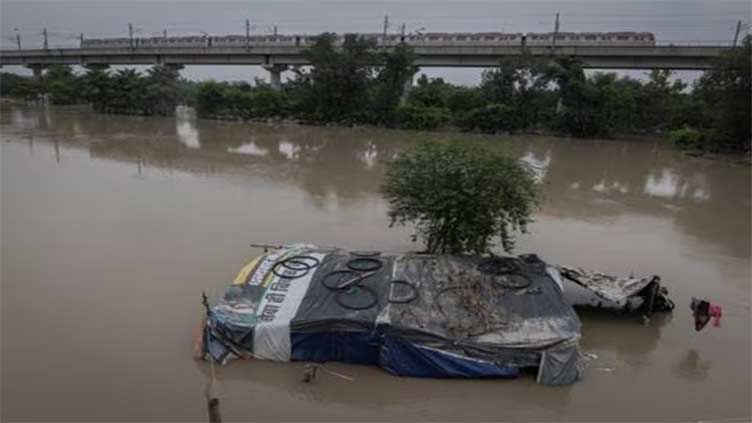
pixel 411 314
pixel 592 289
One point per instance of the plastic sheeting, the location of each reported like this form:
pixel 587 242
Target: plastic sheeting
pixel 591 289
pixel 413 315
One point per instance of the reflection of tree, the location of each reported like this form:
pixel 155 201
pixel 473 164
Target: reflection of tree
pixel 584 179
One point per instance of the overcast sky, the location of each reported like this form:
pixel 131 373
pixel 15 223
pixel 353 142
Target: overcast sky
pixel 670 20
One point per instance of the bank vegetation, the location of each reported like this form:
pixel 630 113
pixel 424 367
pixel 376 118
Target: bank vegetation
pixel 359 84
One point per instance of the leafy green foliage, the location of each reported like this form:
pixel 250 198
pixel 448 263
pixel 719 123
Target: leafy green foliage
pixel 519 83
pixel 686 138
pixel 17 86
pixel 433 92
pixel 357 83
pixel 421 118
pixel 161 91
pixel 460 196
pixel 61 85
pixel 491 118
pixel 396 68
pixel 130 92
pixel 229 100
pixel 334 87
pixel 725 93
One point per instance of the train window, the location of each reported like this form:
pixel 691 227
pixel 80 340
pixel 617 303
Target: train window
pixel 622 37
pixel 461 38
pixel 475 38
pixel 488 37
pixel 591 37
pixel 560 37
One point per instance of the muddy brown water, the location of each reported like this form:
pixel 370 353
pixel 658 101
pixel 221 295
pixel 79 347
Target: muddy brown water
pixel 112 226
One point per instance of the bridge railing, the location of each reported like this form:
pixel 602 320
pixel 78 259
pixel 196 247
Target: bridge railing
pixel 720 43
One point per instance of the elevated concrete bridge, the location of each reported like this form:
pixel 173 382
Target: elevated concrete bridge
pixel 277 59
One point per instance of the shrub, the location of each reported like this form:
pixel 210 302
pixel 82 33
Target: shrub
pixel 491 118
pixel 209 98
pixel 459 196
pixel 462 99
pixel 422 118
pixel 268 102
pixel 686 138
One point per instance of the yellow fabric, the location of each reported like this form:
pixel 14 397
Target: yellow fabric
pixel 245 271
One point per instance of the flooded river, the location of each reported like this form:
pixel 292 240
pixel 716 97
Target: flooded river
pixel 112 226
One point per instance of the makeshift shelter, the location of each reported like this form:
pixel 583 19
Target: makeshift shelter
pixel 411 314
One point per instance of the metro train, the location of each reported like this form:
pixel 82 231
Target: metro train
pixel 562 39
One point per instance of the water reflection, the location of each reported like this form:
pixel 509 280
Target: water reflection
pixel 185 126
pixel 582 179
pixel 539 165
pixel 249 148
pixel 289 150
pixel 668 184
pixel 631 341
pixel 692 367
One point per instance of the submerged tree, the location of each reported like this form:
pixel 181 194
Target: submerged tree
pixel 335 86
pixel 17 86
pixel 62 85
pixel 396 69
pixel 726 95
pixel 518 83
pixel 161 90
pixel 460 196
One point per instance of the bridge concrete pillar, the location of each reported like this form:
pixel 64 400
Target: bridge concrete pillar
pixel 38 71
pixel 275 75
pixel 407 87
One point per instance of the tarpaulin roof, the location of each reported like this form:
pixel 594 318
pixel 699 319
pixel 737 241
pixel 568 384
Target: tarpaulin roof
pixel 412 314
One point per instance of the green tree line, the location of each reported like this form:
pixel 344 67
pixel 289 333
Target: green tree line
pixel 357 83
pixel 126 91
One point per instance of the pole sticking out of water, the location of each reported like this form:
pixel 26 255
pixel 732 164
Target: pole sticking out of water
pixel 212 402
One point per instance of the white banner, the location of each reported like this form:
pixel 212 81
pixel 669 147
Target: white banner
pixel 278 306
